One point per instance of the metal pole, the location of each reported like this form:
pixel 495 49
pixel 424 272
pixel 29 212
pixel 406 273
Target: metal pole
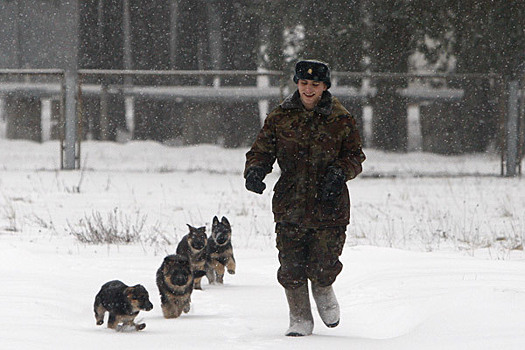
pixel 104 117
pixel 521 124
pixel 512 129
pixel 3 119
pixel 71 85
pixel 71 120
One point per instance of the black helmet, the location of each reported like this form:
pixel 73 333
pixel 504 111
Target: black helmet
pixel 312 70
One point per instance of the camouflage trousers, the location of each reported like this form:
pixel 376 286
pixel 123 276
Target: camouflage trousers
pixel 309 254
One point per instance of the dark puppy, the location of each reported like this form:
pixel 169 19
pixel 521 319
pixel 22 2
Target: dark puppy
pixel 219 251
pixel 175 283
pixel 193 246
pixel 123 304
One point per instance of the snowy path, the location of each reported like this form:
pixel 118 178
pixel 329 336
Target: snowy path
pixel 390 299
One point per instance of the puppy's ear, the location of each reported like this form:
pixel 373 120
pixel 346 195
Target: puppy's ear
pixel 168 259
pixel 190 227
pixel 215 221
pixel 225 221
pixel 128 292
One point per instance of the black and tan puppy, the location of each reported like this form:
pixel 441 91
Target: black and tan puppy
pixel 219 251
pixel 123 304
pixel 193 246
pixel 175 283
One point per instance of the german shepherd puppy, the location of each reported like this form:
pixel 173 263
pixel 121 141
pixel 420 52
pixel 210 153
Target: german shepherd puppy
pixel 175 283
pixel 123 304
pixel 193 246
pixel 219 251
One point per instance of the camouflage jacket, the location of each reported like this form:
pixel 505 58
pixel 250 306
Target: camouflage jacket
pixel 305 143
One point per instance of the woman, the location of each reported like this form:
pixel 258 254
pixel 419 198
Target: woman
pixel 318 148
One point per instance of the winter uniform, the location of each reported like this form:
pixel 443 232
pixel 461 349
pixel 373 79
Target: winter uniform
pixel 317 150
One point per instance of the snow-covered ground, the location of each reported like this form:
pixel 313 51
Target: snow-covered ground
pixel 431 262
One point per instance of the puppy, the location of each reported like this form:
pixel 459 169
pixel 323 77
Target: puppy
pixel 123 304
pixel 175 283
pixel 193 246
pixel 219 251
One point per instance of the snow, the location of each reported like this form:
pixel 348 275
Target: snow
pixel 431 262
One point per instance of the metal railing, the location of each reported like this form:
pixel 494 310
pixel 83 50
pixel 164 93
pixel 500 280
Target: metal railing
pixel 94 82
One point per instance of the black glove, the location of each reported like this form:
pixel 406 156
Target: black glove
pixel 332 185
pixel 254 177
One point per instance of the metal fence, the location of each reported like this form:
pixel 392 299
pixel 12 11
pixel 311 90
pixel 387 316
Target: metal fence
pixel 260 86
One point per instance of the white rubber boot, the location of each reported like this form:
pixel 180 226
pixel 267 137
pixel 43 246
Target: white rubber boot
pixel 301 319
pixel 327 305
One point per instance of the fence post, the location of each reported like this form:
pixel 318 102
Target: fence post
pixel 45 119
pixel 263 81
pixel 70 111
pixel 521 121
pixel 3 119
pixel 69 158
pixel 511 128
pixel 104 117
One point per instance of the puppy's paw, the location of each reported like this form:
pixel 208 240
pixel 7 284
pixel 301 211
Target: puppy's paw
pixel 100 322
pixel 186 308
pixel 140 326
pixel 231 272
